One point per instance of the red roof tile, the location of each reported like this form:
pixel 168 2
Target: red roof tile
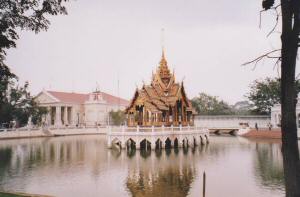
pixel 114 100
pixel 71 97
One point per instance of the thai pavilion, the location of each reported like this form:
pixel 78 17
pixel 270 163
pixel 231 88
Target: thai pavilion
pixel 163 102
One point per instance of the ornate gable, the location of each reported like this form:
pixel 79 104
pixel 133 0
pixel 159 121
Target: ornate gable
pixel 44 98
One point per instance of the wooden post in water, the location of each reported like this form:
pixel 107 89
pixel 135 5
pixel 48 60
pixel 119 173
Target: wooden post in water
pixel 204 183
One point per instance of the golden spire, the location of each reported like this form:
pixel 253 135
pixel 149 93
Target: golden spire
pixel 162 39
pixel 163 53
pixel 163 61
pixel 163 58
pixel 162 72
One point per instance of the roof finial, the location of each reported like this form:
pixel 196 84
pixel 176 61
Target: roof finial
pixel 97 87
pixel 162 43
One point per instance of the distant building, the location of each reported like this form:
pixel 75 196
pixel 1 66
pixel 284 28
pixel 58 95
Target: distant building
pixel 276 114
pixel 242 106
pixel 163 102
pixel 79 109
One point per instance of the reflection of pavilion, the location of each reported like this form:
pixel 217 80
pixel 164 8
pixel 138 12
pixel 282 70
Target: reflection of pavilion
pixel 161 174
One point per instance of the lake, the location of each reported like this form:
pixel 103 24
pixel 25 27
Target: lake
pixel 82 166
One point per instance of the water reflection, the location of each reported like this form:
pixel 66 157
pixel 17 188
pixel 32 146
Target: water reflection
pixel 169 181
pixel 168 172
pixel 268 164
pixel 5 157
pixel 82 166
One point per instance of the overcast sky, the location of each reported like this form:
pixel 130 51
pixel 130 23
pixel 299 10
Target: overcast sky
pixel 100 41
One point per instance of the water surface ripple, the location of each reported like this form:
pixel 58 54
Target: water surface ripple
pixel 83 166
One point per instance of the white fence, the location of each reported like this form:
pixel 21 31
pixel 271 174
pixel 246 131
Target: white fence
pixel 124 129
pixel 223 121
pixel 50 131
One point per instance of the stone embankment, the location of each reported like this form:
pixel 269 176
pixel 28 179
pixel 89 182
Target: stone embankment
pixel 42 132
pixel 266 134
pixel 10 194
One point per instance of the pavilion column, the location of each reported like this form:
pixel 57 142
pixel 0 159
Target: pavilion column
pixel 58 116
pixel 66 122
pixel 131 119
pixel 149 117
pixel 175 114
pixel 182 113
pixel 144 116
pixel 128 118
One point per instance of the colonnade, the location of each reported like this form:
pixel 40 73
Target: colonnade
pixel 60 115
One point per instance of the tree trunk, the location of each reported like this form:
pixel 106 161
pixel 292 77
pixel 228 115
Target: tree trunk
pixel 289 51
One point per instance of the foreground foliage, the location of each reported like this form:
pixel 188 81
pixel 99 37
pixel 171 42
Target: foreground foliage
pixel 117 117
pixel 16 103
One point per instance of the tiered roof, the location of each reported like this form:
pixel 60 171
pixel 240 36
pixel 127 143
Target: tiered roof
pixel 163 91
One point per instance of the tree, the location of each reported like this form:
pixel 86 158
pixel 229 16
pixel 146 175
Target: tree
pixel 37 113
pixel 19 105
pixel 26 15
pixel 6 79
pixel 210 105
pixel 290 18
pixel 117 117
pixel 266 93
pixel 243 108
pixel 15 101
pixel 290 10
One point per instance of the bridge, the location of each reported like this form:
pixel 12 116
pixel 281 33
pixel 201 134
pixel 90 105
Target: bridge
pixel 224 130
pixel 231 121
pixel 230 124
pixel 151 138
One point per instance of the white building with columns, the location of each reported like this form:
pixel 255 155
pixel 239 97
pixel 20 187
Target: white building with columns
pixel 71 109
pixel 276 114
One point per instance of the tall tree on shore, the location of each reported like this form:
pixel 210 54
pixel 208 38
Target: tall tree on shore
pixel 266 93
pixel 290 20
pixel 290 12
pixel 31 15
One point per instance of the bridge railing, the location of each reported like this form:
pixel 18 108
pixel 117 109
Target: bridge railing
pixel 50 128
pixel 154 129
